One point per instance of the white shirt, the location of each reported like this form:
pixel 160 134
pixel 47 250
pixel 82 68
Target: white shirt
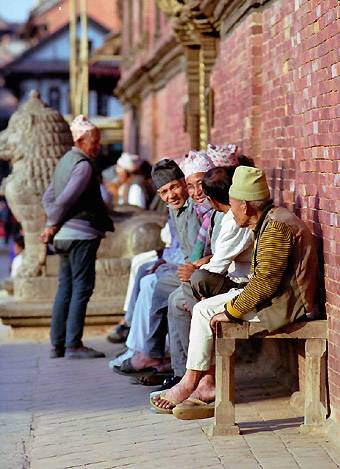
pixel 16 263
pixel 232 250
pixel 136 196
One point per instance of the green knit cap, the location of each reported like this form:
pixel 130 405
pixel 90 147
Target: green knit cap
pixel 249 184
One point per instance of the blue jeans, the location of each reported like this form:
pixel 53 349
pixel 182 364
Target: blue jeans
pixel 76 284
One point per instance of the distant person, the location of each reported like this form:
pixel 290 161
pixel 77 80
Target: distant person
pixel 19 246
pixel 77 219
pixel 134 181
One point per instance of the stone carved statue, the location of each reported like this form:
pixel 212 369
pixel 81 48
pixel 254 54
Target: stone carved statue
pixel 35 139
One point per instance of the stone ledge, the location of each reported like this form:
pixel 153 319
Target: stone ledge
pixel 16 313
pixel 43 332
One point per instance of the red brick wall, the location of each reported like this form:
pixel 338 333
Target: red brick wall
pixel 161 116
pixel 172 140
pixel 145 41
pixel 276 84
pixel 162 122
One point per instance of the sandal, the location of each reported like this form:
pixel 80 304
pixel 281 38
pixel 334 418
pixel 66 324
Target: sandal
pixel 127 368
pixel 161 410
pixel 194 409
pixel 153 379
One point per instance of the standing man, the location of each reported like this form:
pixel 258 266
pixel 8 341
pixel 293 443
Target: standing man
pixel 76 222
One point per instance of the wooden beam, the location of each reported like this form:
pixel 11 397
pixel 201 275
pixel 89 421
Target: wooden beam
pixel 73 56
pixel 84 59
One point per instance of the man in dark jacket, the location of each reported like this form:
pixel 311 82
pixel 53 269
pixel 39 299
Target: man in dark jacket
pixel 76 221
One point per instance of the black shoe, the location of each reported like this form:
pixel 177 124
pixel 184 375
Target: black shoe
pixel 82 352
pixel 169 382
pixel 57 351
pixel 119 335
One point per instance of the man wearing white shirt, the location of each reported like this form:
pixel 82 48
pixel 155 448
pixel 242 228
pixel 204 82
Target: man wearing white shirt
pixel 227 268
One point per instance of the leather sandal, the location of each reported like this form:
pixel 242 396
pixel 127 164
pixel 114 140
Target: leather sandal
pixel 161 410
pixel 153 379
pixel 127 369
pixel 194 409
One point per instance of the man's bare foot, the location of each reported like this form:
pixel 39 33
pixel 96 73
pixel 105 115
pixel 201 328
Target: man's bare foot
pixel 140 361
pixel 180 392
pixel 205 390
pixel 165 366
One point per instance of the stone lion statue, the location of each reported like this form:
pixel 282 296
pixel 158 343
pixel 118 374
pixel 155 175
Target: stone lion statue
pixel 35 139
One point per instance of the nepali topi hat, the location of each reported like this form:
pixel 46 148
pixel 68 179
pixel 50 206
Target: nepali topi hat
pixel 165 171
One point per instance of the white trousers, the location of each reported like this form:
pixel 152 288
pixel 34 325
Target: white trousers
pixel 137 261
pixel 201 340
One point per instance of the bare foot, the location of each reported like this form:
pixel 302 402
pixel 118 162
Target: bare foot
pixel 140 361
pixel 180 392
pixel 164 366
pixel 205 390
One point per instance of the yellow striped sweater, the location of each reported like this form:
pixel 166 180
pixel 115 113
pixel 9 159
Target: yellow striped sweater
pixel 270 260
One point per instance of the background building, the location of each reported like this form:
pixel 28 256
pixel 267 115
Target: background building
pixel 263 74
pixel 44 65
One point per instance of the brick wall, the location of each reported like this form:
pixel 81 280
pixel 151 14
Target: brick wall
pixel 141 42
pixel 276 84
pixel 172 140
pixel 162 121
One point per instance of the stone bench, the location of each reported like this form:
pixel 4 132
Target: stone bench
pixel 315 335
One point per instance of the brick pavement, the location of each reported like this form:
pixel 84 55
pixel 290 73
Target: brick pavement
pixel 58 414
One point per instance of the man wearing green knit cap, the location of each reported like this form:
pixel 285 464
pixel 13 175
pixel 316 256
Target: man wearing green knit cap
pixel 282 289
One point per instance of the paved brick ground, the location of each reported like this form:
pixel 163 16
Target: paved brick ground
pixel 69 414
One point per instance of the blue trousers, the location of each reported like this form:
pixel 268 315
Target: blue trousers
pixel 76 284
pixel 141 272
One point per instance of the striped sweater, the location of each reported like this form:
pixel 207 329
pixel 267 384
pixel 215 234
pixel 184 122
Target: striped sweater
pixel 269 263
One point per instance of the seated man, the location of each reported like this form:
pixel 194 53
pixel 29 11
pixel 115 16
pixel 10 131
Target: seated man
pixel 143 264
pixel 282 287
pixel 228 268
pixel 154 292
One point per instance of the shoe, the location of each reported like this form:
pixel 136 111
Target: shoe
pixel 57 351
pixel 119 335
pixel 169 382
pixel 82 352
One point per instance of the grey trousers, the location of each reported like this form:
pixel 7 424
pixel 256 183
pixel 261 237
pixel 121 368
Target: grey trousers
pixel 203 284
pixel 158 327
pixel 179 321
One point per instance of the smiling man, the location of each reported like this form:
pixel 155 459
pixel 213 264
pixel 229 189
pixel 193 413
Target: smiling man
pixel 174 188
